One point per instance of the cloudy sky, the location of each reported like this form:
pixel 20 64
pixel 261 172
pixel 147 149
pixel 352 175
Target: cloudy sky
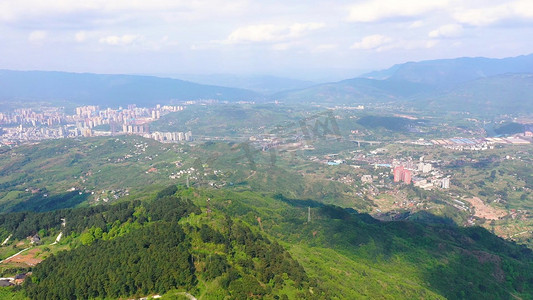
pixel 298 38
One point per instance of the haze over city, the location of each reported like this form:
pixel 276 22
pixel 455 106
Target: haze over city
pixel 324 41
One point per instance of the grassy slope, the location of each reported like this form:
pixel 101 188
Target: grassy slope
pixel 411 259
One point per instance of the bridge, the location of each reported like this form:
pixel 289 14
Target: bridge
pixel 359 142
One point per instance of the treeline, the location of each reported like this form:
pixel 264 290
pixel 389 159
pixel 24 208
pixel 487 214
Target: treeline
pixel 41 202
pixel 165 207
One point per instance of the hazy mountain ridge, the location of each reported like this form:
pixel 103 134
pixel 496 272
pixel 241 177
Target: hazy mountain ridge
pixel 505 93
pixel 479 85
pixel 449 72
pixel 355 90
pixel 265 84
pixel 86 88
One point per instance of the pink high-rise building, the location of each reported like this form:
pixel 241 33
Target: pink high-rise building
pixel 398 172
pixel 402 174
pixel 406 176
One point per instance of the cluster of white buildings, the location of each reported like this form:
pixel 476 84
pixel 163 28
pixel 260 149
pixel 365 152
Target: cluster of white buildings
pixel 170 136
pixel 429 183
pixel 481 144
pixel 53 123
pixel 424 175
pixel 92 116
pixel 424 168
pixel 26 116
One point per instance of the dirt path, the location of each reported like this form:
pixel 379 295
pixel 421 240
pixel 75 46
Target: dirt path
pixel 58 238
pixel 7 240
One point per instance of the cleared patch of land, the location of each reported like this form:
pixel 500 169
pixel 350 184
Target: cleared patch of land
pixel 483 210
pixel 27 258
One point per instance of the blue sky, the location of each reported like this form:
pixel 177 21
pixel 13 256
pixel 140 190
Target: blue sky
pixel 300 39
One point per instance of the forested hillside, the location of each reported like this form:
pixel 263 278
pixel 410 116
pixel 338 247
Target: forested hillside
pixel 249 245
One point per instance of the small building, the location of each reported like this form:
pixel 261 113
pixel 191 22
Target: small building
pixel 19 278
pixel 424 168
pixel 445 183
pixel 35 240
pixel 4 283
pixel 366 178
pixel 335 162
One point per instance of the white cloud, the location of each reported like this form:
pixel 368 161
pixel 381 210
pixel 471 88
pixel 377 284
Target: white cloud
pixel 297 29
pixel 325 47
pixel 377 10
pixel 524 8
pixel 68 13
pixel 80 36
pixel 414 44
pixel 483 16
pixel 14 9
pixel 431 43
pixel 491 14
pixel 416 24
pixel 372 42
pixel 37 36
pixel 380 43
pixel 257 33
pixel 270 32
pixel 447 31
pixel 123 40
pixel 282 46
pixel 474 13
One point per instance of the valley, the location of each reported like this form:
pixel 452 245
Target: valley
pixel 370 188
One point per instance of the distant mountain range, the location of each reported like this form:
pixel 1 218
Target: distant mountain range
pixel 264 84
pixel 84 88
pixel 450 72
pixel 356 90
pixel 506 93
pixel 480 85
